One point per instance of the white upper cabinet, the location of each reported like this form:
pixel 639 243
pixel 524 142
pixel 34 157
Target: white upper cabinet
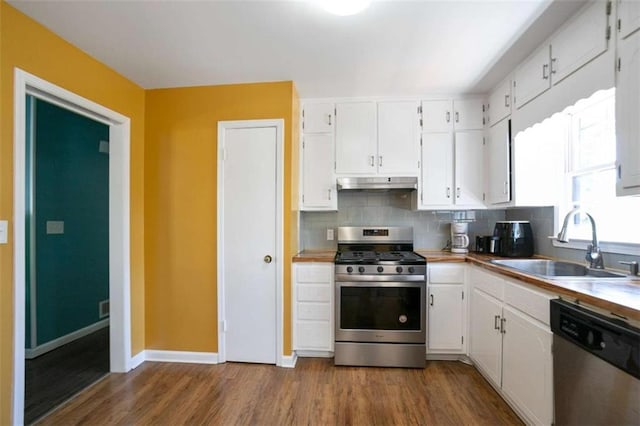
pixel 583 38
pixel 437 115
pixel 437 169
pixel 445 115
pixel 452 154
pixel 467 114
pixel 356 144
pixel 628 17
pixel 498 173
pixel 318 180
pixel 318 118
pixel 468 168
pixel 532 77
pixel 628 111
pixel 500 102
pixel 398 138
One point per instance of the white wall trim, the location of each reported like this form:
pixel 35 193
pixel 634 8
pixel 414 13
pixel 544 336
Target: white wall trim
pixel 138 359
pixel 243 124
pixel 181 356
pixel 289 361
pixel 119 222
pixel 67 338
pixel 313 354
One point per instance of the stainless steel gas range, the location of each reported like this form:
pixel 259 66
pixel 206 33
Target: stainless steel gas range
pixel 380 298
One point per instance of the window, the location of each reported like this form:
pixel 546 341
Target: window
pixel 590 178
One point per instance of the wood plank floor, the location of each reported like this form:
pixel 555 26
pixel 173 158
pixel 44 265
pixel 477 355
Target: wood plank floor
pixel 56 376
pixel 314 393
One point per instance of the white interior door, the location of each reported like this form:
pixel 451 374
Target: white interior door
pixel 249 215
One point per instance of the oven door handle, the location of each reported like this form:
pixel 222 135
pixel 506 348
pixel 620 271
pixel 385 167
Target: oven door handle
pixel 380 280
pixel 382 284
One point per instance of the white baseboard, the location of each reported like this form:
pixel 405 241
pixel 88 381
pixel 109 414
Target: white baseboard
pixel 290 360
pixel 181 356
pixel 56 343
pixel 314 354
pixel 137 360
pixel 449 357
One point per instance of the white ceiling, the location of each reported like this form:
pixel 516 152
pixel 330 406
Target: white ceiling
pixel 394 48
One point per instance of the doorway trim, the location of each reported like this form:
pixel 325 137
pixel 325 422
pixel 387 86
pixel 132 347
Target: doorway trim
pixel 278 124
pixel 119 223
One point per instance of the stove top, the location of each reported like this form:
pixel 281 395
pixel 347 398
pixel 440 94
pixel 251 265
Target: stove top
pixel 379 257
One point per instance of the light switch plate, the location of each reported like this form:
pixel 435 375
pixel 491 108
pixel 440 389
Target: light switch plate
pixel 55 227
pixel 4 228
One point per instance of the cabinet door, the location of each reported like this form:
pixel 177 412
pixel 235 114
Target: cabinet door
pixel 527 366
pixel 467 114
pixel 628 116
pixel 317 118
pixel 437 115
pixel 531 78
pixel 356 145
pixel 437 169
pixel 498 186
pixel 500 102
pixel 581 40
pixel 628 17
pixel 318 181
pixel 398 138
pixel 468 168
pixel 445 323
pixel 486 340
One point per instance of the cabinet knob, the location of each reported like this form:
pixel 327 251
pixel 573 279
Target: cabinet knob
pixel 431 300
pixel 448 117
pixel 380 161
pixel 267 259
pixel 372 158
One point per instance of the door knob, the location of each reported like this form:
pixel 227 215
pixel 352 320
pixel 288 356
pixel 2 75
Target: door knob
pixel 267 259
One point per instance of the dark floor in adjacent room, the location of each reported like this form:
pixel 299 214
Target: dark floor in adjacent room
pixel 56 376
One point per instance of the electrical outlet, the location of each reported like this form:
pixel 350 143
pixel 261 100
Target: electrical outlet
pixel 4 228
pixel 329 234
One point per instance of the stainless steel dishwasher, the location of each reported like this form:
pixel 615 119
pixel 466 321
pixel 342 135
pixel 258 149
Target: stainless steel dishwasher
pixel 596 367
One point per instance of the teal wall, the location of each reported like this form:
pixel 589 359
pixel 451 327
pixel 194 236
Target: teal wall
pixel 71 185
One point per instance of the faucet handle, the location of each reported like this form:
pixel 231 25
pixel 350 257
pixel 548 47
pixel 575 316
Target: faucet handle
pixel 633 266
pixel 594 257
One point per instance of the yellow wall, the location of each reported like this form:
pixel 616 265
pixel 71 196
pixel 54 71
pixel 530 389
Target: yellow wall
pixel 31 47
pixel 180 200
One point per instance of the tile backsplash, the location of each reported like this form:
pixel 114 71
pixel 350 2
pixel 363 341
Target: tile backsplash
pixel 431 229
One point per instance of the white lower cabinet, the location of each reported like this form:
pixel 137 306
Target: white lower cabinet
pixel 313 308
pixel 446 309
pixel 510 342
pixel 527 366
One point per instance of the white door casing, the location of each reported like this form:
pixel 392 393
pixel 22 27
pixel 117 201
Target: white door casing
pixel 119 223
pixel 250 227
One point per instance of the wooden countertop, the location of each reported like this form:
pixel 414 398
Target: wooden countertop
pixel 315 256
pixel 619 296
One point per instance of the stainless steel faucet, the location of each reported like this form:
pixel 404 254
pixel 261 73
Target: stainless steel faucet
pixel 594 255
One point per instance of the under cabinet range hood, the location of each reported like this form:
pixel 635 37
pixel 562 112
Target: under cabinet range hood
pixel 377 183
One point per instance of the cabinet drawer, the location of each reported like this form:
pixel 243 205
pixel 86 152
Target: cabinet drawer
pixel 532 302
pixel 490 283
pixel 444 274
pixel 314 273
pixel 313 335
pixel 314 311
pixel 314 293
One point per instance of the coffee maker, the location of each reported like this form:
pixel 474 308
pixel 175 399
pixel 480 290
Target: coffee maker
pixel 459 237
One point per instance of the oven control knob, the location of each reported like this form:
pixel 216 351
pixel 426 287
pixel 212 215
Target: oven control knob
pixel 361 269
pixel 380 269
pixel 399 269
pixel 349 269
pixel 411 270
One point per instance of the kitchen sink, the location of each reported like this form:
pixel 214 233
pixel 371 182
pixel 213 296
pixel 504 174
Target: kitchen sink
pixel 555 269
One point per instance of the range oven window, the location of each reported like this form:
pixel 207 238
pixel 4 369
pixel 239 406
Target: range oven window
pixel 380 308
